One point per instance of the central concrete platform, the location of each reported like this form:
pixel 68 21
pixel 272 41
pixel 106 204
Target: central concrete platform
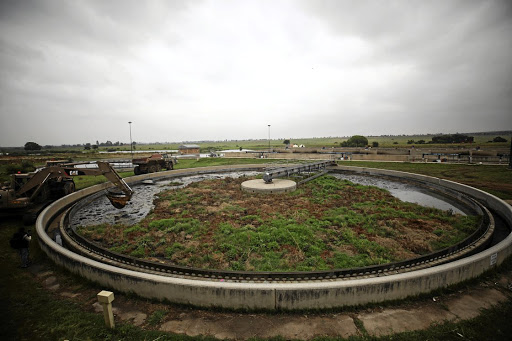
pixel 276 186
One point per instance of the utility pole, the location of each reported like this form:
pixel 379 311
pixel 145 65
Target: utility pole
pixel 269 138
pixel 131 143
pixel 510 155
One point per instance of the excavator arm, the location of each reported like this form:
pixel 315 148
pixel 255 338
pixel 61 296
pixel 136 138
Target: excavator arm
pixel 40 178
pixel 117 199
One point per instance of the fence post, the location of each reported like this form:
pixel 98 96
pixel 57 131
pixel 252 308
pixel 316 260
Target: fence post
pixel 105 298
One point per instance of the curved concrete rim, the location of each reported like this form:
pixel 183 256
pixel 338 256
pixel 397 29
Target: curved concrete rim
pixel 276 296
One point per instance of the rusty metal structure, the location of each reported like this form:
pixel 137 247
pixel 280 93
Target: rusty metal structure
pixel 287 171
pixel 29 193
pixel 153 164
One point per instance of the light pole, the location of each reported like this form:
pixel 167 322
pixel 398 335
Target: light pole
pixel 510 155
pixel 269 138
pixel 131 144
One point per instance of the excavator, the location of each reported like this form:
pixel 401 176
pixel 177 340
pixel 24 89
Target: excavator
pixel 29 193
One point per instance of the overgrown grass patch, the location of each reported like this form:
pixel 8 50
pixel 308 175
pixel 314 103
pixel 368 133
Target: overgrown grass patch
pixel 331 224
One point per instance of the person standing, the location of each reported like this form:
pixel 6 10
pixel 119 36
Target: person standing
pixel 23 239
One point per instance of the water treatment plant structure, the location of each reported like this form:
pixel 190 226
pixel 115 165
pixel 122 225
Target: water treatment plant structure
pixel 290 290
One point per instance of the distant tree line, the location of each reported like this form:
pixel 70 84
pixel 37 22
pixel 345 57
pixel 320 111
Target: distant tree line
pixel 498 139
pixel 88 146
pixel 453 138
pixel 417 142
pixel 448 138
pixel 109 144
pixel 32 146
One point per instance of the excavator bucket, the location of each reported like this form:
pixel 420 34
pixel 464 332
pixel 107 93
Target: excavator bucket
pixel 118 200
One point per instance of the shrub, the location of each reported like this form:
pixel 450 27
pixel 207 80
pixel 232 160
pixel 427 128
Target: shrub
pixel 24 167
pixel 29 146
pixel 355 141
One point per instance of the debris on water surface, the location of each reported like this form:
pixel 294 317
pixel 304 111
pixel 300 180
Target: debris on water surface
pixel 99 211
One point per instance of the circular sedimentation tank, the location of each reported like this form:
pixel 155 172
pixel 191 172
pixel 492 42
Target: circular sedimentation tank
pixel 268 290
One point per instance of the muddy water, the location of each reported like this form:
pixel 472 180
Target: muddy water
pixel 100 211
pixel 405 192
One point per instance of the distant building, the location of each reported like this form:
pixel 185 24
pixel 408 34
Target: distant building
pixel 189 149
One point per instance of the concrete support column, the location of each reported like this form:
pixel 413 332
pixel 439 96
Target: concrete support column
pixel 105 298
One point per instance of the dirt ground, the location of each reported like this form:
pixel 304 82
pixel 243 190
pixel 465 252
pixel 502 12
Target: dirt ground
pixel 462 304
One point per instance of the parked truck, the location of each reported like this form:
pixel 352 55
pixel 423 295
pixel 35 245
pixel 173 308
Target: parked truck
pixel 27 194
pixel 153 164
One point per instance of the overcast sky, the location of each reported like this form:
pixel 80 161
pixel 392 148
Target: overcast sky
pixel 78 71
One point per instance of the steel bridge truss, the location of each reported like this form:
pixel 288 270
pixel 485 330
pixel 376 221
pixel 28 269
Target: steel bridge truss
pixel 287 171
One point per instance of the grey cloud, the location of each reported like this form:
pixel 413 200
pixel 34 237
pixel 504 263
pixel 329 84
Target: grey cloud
pixel 226 69
pixel 460 51
pixel 106 26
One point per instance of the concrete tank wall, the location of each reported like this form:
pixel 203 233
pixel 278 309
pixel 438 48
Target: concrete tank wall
pixel 271 296
pixel 382 157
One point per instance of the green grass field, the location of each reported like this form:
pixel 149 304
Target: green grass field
pixel 399 141
pixel 383 141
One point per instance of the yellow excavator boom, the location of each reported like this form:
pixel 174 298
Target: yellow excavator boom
pixel 117 199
